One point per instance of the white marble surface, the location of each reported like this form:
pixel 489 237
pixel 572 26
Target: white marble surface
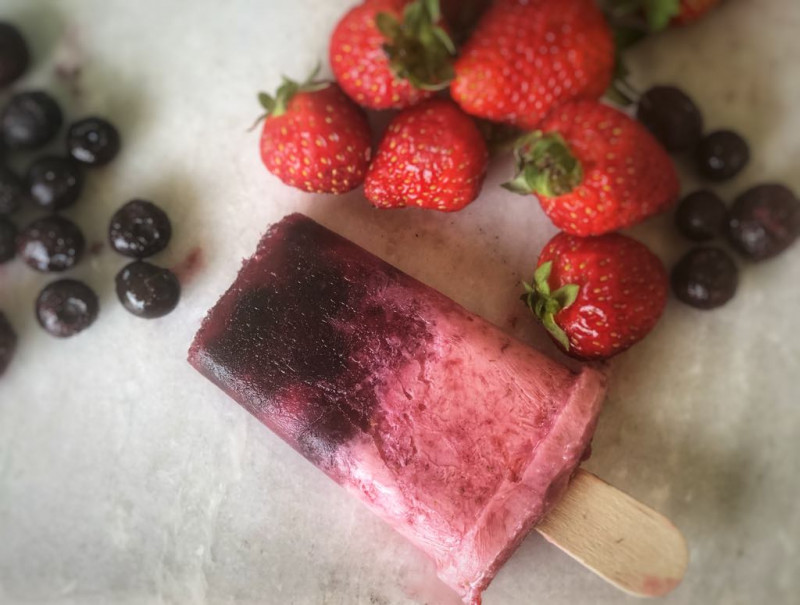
pixel 127 478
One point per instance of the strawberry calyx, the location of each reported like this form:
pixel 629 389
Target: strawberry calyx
pixel 545 165
pixel 275 106
pixel 418 49
pixel 632 21
pixel 621 91
pixel 545 304
pixel 650 15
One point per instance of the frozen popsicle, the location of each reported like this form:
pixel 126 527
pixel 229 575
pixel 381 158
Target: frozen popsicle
pixel 459 436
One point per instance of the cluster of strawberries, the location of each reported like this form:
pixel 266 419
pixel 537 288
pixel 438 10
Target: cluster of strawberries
pixel 539 66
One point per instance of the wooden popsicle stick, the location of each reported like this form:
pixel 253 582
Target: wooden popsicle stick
pixel 623 541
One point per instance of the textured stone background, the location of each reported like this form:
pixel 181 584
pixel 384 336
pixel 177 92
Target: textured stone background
pixel 127 478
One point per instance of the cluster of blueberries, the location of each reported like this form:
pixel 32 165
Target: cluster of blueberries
pixel 29 120
pixel 761 223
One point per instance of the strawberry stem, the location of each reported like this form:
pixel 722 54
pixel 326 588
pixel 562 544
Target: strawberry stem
pixel 277 105
pixel 621 91
pixel 544 165
pixel 546 304
pixel 418 49
pixel 656 14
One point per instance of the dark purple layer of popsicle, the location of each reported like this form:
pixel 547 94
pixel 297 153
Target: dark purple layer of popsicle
pixel 301 320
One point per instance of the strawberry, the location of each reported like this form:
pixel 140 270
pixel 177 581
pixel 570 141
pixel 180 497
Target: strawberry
pixel 595 169
pixel 391 54
pixel 597 296
pixel 528 56
pixel 432 156
pixel 315 138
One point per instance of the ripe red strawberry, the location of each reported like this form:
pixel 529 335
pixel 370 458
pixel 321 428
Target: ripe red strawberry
pixel 528 56
pixel 595 169
pixel 432 156
pixel 315 138
pixel 597 296
pixel 391 54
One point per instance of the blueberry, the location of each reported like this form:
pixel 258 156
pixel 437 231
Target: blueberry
pixel 764 221
pixel 146 290
pixel 12 191
pixel 29 120
pixel 55 183
pixel 93 141
pixel 139 229
pixel 14 55
pixel 701 216
pixel 672 117
pixel 66 307
pixel 722 155
pixel 53 243
pixel 8 240
pixel 8 343
pixel 706 278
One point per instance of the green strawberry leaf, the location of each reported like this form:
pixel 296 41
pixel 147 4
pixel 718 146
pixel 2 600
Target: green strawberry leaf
pixel 546 305
pixel 444 39
pixel 277 105
pixel 659 13
pixel 541 277
pixel 388 25
pixel 266 101
pixel 518 185
pixel 566 295
pixel 418 49
pixel 618 95
pixel 555 330
pixel 433 9
pixel 621 92
pixel 545 166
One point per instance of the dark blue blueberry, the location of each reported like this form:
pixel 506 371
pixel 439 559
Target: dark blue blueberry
pixel 53 243
pixel 706 278
pixel 139 229
pixel 14 54
pixel 93 141
pixel 12 191
pixel 30 120
pixel 8 343
pixel 672 117
pixel 722 155
pixel 66 307
pixel 147 291
pixel 764 221
pixel 8 240
pixel 55 183
pixel 701 216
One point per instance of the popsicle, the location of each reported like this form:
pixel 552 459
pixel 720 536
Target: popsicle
pixel 459 436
